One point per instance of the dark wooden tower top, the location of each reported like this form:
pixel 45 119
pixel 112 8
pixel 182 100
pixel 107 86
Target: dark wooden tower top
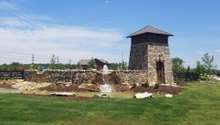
pixel 150 34
pixel 150 30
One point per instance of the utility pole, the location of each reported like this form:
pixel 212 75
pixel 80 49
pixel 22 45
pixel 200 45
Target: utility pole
pixel 122 59
pixel 32 59
pixel 69 63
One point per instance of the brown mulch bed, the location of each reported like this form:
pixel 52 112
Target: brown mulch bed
pixel 121 88
pixel 161 89
pixel 61 88
pixel 90 88
pixel 75 88
pixel 4 85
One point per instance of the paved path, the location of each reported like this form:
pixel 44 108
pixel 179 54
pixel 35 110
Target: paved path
pixel 4 90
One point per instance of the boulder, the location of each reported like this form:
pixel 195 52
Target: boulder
pixel 216 78
pixel 143 95
pixel 168 95
pixel 89 87
pixel 62 93
pixel 103 95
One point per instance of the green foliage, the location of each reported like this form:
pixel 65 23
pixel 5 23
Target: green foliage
pixel 204 77
pixel 39 67
pixel 208 63
pixel 124 65
pixel 156 86
pixel 146 85
pixel 13 66
pixel 118 66
pixel 200 69
pixel 178 65
pixel 53 62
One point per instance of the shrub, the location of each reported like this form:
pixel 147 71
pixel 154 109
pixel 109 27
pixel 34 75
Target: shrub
pixel 145 85
pixel 156 86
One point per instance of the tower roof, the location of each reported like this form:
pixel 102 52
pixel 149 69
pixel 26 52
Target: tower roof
pixel 150 29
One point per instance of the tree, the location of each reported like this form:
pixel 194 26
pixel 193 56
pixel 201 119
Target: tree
pixel 200 69
pixel 178 65
pixel 124 65
pixel 53 59
pixel 53 62
pixel 208 63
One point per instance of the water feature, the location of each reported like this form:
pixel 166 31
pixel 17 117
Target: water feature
pixel 105 88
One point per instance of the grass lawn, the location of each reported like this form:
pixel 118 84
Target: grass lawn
pixel 198 104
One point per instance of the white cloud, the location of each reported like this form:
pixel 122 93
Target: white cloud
pixel 218 50
pixel 11 22
pixel 65 41
pixel 22 34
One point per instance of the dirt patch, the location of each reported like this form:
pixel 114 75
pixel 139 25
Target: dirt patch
pixel 7 86
pixel 71 88
pixel 161 89
pixel 88 88
pixel 61 88
pixel 122 87
pixel 31 87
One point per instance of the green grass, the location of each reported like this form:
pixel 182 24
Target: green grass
pixel 199 104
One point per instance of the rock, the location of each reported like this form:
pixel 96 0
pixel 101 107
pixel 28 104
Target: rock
pixel 143 95
pixel 168 95
pixel 67 84
pixel 216 78
pixel 137 84
pixel 127 85
pixel 89 87
pixel 106 88
pixel 63 93
pixel 103 95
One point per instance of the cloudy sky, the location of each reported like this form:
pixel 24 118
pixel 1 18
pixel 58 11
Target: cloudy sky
pixel 76 29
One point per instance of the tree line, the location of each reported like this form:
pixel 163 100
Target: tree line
pixel 56 64
pixel 204 68
pixel 202 71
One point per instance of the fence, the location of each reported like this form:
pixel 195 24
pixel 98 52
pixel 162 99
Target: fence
pixel 187 76
pixel 12 74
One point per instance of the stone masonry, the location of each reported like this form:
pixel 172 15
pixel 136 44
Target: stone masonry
pixel 150 52
pixel 87 76
pixel 159 52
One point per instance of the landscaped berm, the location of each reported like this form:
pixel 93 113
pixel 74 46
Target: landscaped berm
pixel 197 104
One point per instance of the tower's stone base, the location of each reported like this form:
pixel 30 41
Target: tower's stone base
pixel 145 56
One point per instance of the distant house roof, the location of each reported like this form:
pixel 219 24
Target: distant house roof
pixel 102 60
pixel 84 61
pixel 149 29
pixel 87 61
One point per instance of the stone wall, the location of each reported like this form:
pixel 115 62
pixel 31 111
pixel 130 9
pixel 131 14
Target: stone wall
pixel 132 76
pixel 159 52
pixel 87 76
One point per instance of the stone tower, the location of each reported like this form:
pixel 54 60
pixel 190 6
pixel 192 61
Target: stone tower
pixel 150 52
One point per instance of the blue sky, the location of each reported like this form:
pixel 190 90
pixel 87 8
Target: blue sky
pixel 75 29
